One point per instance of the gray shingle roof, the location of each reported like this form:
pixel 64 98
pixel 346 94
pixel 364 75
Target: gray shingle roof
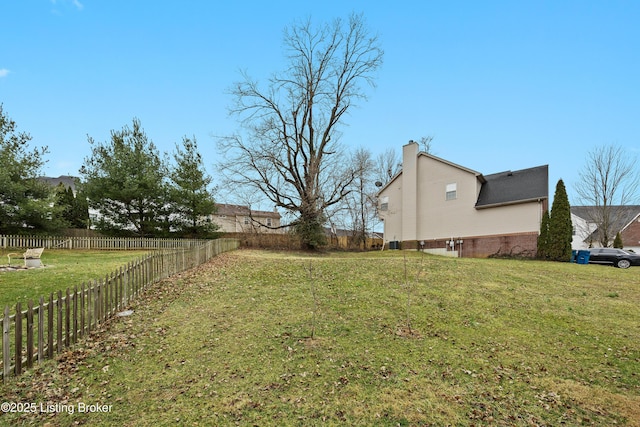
pixel 233 210
pixel 620 216
pixel 512 187
pixel 68 181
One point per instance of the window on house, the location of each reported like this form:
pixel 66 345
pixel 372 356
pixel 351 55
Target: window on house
pixel 451 191
pixel 384 203
pixel 246 220
pixel 268 222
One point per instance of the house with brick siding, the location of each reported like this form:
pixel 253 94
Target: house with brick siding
pixel 622 219
pixel 441 207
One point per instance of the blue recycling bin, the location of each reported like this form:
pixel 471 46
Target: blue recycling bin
pixel 574 254
pixel 583 257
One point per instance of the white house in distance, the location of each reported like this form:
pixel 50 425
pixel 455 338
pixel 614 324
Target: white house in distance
pixel 241 219
pixel 449 209
pixel 624 219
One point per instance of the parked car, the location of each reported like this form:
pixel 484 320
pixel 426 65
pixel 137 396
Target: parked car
pixel 617 257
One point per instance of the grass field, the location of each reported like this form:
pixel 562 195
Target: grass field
pixel 63 269
pixel 460 342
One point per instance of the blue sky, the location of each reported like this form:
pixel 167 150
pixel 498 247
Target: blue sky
pixel 500 85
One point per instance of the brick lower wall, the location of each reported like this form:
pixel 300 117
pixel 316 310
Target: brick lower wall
pixel 631 235
pixel 510 245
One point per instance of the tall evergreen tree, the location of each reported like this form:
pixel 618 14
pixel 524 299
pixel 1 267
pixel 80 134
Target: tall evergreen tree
pixel 617 242
pixel 560 228
pixel 190 193
pixel 125 182
pixel 75 209
pixel 543 238
pixel 81 210
pixel 65 201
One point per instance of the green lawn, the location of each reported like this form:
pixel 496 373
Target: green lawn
pixel 491 342
pixel 63 269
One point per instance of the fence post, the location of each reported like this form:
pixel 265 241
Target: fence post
pixel 83 308
pixel 41 330
pixel 116 293
pixel 67 319
pixel 98 303
pixel 30 334
pixel 75 314
pixel 125 285
pixel 50 330
pixel 6 350
pixel 108 293
pixel 59 309
pixel 18 329
pixel 89 305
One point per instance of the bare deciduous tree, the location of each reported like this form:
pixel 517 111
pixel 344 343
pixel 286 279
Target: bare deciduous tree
pixel 358 208
pixel 610 178
pixel 289 151
pixel 387 165
pixel 426 144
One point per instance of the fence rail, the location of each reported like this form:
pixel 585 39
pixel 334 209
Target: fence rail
pixel 48 327
pixel 105 243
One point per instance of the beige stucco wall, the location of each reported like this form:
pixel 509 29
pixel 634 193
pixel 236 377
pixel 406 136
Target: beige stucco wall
pixel 392 216
pixel 441 218
pixel 226 223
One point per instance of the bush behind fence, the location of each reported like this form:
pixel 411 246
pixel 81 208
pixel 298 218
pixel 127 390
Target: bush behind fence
pixel 290 242
pixel 48 327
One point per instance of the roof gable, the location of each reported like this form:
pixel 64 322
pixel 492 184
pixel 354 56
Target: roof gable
pixel 478 175
pixel 512 187
pixel 455 165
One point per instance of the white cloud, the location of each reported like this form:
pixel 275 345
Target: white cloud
pixel 78 5
pixel 4 72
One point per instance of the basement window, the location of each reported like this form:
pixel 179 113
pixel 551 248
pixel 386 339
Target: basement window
pixel 451 192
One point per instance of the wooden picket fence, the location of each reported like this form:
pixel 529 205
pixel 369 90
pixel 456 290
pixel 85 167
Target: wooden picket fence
pixel 48 327
pixel 96 242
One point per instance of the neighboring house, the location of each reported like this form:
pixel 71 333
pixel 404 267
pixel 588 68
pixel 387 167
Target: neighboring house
pixel 624 219
pixel 68 181
pixel 240 219
pixel 452 210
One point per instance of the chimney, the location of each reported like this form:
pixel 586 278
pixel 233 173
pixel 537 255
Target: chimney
pixel 409 190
